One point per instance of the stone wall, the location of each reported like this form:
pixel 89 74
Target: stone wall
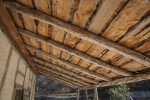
pixel 15 74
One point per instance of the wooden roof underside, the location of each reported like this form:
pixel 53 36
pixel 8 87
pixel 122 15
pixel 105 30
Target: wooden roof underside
pixel 85 43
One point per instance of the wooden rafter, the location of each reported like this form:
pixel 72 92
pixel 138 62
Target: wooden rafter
pixel 59 79
pixel 75 52
pixel 80 33
pixel 62 74
pixel 64 70
pixel 135 78
pixel 7 25
pixel 75 67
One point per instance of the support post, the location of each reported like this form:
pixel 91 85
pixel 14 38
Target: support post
pixel 85 94
pixel 78 94
pixel 95 94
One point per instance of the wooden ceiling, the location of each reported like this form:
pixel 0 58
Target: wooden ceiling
pixel 85 43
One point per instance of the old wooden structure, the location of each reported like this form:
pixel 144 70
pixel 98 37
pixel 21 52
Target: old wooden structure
pixel 81 43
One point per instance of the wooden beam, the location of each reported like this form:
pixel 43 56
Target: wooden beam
pixel 72 29
pixel 135 78
pixel 62 74
pixel 75 67
pixel 95 94
pixel 65 70
pixel 75 52
pixel 59 79
pixel 56 95
pixel 78 94
pixel 8 27
pixel 85 94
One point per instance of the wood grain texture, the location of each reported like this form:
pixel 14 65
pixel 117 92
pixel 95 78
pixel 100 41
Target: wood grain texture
pixel 47 64
pixel 60 9
pixel 59 79
pixel 105 13
pixel 53 77
pixel 135 10
pixel 44 29
pixel 84 34
pixel 10 30
pixel 74 79
pixel 75 67
pixel 76 53
pixel 138 77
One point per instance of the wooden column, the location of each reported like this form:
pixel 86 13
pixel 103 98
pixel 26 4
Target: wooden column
pixel 95 94
pixel 85 94
pixel 78 94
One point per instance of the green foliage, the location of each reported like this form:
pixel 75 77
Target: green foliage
pixel 119 91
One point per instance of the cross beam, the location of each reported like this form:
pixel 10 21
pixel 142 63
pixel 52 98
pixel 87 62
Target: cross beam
pixel 75 52
pixel 79 32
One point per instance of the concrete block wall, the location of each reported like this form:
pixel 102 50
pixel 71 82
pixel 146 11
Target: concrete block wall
pixel 14 72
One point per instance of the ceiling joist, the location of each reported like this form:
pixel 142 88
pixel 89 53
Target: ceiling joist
pixel 63 81
pixel 75 67
pixel 75 52
pixel 68 79
pixel 135 78
pixel 74 30
pixel 64 70
pixel 62 74
pixel 7 25
pixel 59 79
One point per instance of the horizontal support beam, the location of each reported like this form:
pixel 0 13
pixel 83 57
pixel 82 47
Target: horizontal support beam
pixel 62 74
pixel 9 29
pixel 65 70
pixel 135 78
pixel 56 95
pixel 75 67
pixel 59 79
pixel 79 32
pixel 76 53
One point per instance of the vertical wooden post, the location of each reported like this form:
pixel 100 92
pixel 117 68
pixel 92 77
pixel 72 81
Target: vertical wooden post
pixel 95 94
pixel 85 94
pixel 78 94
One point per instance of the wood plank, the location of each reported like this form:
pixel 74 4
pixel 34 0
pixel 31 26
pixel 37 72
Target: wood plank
pixel 59 79
pixel 135 78
pixel 136 29
pixel 64 70
pixel 105 13
pixel 44 29
pixel 80 18
pixel 75 67
pixel 56 95
pixel 61 10
pixel 10 30
pixel 130 15
pixel 82 33
pixel 29 23
pixel 71 81
pixel 62 74
pixel 76 53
